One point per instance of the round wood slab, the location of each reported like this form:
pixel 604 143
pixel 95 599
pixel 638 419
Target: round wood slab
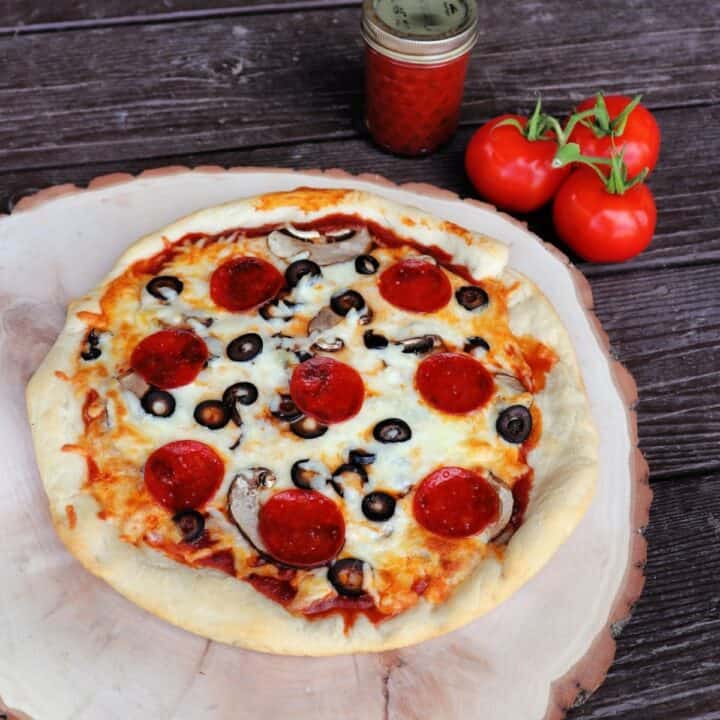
pixel 73 649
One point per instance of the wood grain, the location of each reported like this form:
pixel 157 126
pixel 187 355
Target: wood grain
pixel 687 195
pixel 667 665
pixel 157 89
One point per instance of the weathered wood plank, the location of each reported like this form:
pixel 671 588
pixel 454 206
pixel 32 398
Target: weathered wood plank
pixel 158 89
pixel 668 664
pixel 22 16
pixel 687 195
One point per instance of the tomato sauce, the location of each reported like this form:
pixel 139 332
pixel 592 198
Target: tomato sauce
pixel 223 560
pixel 540 359
pixel 348 608
pixel 87 415
pixel 276 589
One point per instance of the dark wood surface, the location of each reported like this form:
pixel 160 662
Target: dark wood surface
pixel 93 87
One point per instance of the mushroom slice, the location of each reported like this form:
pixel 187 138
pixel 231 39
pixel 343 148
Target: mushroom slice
pixel 249 487
pixel 285 245
pixel 324 320
pixel 509 386
pixel 421 344
pixel 329 345
pixel 292 231
pixel 133 383
pixel 505 496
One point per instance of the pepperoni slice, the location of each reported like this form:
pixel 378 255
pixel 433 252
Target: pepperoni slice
pixel 301 527
pixel 453 382
pixel 415 285
pixel 327 390
pixel 455 502
pixel 183 475
pixel 169 358
pixel 244 283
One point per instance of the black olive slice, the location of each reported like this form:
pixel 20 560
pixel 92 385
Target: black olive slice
pixel 343 302
pixel 158 287
pixel 514 424
pixel 471 297
pixel 303 355
pixel 340 477
pixel 191 524
pixel 366 265
pixel 93 338
pixel 245 347
pixel 378 506
pixel 270 311
pixel 346 576
pixel 92 353
pixel 308 428
pixel 302 476
pixel 475 342
pixel 374 341
pixel 361 457
pixel 287 410
pixel 158 402
pixel 213 414
pixel 299 269
pixel 244 393
pixel 392 430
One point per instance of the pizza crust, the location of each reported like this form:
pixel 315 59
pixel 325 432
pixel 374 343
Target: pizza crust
pixel 221 607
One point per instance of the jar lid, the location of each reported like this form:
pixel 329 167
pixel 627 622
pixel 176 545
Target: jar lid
pixel 421 31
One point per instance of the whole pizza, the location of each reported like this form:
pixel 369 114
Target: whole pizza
pixel 314 422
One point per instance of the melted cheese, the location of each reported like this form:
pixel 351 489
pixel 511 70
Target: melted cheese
pixel 404 561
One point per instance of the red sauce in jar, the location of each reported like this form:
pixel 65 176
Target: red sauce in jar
pixel 416 59
pixel 412 109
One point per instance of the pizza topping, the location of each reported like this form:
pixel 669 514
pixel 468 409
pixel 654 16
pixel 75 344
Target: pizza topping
pixel 169 358
pixel 348 474
pixel 165 287
pixel 213 414
pixel 327 390
pixel 453 382
pixel 378 506
pixel 415 285
pixel 345 301
pixel 456 502
pixel 245 347
pixel 471 297
pixel 299 269
pixel 158 402
pixel 91 351
pixel 244 498
pixel 308 474
pixel 184 474
pixel 245 283
pixel 191 524
pixel 392 430
pixel 243 393
pixel 302 528
pixel 514 424
pixel 340 235
pixel 347 576
pixel 278 309
pixel 474 342
pixel 374 341
pixel 287 245
pixel 284 408
pixel 324 320
pixel 308 428
pixel 325 345
pixel 361 457
pixel 421 344
pixel 366 265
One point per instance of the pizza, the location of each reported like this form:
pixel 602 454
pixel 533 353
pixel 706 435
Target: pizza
pixel 314 422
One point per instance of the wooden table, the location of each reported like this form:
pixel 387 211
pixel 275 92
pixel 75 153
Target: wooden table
pixel 92 87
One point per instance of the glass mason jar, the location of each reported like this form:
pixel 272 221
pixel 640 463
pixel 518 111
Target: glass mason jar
pixel 416 56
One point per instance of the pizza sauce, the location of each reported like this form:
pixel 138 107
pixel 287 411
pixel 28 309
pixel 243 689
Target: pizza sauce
pixel 273 418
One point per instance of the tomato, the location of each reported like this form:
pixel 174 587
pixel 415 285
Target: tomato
pixel 601 226
pixel 510 170
pixel 640 138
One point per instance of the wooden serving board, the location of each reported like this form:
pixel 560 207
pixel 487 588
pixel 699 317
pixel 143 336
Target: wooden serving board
pixel 73 649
